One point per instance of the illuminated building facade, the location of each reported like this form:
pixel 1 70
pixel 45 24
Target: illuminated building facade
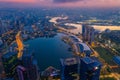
pixel 70 68
pixel 90 68
pixel 88 33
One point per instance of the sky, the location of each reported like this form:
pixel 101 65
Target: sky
pixel 62 3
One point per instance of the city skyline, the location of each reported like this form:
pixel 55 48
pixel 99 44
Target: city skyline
pixel 61 3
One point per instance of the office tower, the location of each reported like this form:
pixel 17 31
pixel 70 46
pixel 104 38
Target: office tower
pixel 84 31
pixel 3 27
pixel 10 62
pixel 31 65
pixel 90 68
pixel 92 35
pixel 22 73
pixel 70 68
pixel 84 50
pixel 88 33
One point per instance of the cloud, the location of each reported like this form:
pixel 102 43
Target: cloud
pixel 65 1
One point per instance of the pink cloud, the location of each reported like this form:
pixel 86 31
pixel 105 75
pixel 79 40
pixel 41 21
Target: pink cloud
pixel 21 1
pixel 70 3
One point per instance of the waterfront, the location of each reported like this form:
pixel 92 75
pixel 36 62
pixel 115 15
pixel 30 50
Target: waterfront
pixel 48 51
pixel 78 26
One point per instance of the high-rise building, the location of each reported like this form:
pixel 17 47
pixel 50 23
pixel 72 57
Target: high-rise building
pixel 10 62
pixel 88 33
pixel 90 68
pixel 3 27
pixel 22 73
pixel 84 31
pixel 92 35
pixel 31 65
pixel 70 68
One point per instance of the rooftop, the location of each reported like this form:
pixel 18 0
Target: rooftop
pixel 91 60
pixel 85 47
pixel 21 67
pixel 75 39
pixel 87 60
pixel 69 61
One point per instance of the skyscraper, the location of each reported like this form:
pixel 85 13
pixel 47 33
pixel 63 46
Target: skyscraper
pixel 92 35
pixel 3 27
pixel 70 68
pixel 22 73
pixel 84 31
pixel 90 68
pixel 88 33
pixel 31 65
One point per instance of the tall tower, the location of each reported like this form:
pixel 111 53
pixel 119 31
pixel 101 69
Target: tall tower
pixel 88 33
pixel 90 68
pixel 70 69
pixel 1 28
pixel 92 35
pixel 84 32
pixel 31 65
pixel 22 73
pixel 1 42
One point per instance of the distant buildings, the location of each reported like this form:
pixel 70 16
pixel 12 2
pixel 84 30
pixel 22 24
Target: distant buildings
pixel 1 42
pixel 90 68
pixel 88 33
pixel 3 27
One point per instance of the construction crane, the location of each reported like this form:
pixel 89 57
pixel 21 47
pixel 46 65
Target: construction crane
pixel 19 44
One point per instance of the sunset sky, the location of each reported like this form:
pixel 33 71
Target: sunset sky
pixel 63 3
